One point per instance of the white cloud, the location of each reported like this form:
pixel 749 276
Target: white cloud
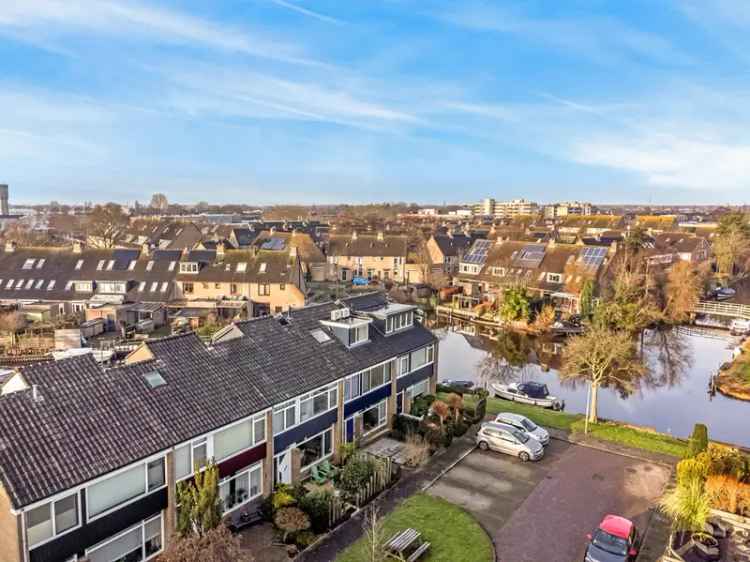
pixel 602 39
pixel 135 19
pixel 306 12
pixel 670 161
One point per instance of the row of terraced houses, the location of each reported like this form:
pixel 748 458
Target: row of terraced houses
pixel 90 457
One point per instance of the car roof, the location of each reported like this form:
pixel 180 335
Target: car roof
pixel 498 425
pixel 617 526
pixel 510 416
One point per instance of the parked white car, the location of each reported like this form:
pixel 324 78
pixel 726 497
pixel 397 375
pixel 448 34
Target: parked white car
pixel 522 423
pixel 739 327
pixel 507 439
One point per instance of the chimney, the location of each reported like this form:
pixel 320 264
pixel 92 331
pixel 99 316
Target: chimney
pixel 354 234
pixel 77 247
pixel 35 395
pixel 10 247
pixel 380 235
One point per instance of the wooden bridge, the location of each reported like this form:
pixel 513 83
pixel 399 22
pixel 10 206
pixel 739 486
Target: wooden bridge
pixel 726 309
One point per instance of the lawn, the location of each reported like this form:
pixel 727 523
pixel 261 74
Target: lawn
pixel 453 533
pixel 574 423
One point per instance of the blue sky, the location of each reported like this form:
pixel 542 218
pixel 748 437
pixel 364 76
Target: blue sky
pixel 318 101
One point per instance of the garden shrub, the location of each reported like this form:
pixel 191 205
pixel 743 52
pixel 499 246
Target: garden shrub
pixel 303 539
pixel 403 426
pixel 728 494
pixel 421 405
pixel 291 520
pixel 459 428
pixel 416 451
pixel 283 496
pixel 698 441
pixel 356 473
pixel 433 435
pixel 317 505
pixel 447 435
pixel 720 459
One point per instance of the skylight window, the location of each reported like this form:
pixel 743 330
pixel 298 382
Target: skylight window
pixel 142 286
pixel 28 264
pixel 154 379
pixel 262 268
pixel 150 265
pixel 100 265
pixel 110 265
pixel 131 265
pixel 40 263
pixel 171 265
pixel 154 286
pixel 320 336
pixel 79 265
pixel 10 284
pixel 241 267
pixel 164 287
pixel 51 284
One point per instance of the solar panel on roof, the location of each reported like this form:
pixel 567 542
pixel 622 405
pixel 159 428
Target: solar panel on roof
pixel 592 257
pixel 273 244
pixel 531 255
pixel 478 252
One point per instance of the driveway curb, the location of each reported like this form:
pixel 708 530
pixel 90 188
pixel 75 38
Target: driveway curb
pixel 602 446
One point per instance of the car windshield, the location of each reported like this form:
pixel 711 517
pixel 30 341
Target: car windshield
pixel 521 436
pixel 610 543
pixel 528 425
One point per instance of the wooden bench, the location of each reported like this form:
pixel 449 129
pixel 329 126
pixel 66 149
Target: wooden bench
pixel 245 519
pixel 407 545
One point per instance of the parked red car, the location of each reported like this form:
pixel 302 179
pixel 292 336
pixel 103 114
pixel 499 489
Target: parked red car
pixel 615 540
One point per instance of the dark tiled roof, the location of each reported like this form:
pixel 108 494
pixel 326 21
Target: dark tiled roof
pixel 454 245
pixel 92 421
pixel 367 245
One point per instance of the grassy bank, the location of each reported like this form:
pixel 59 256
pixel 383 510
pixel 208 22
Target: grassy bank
pixel 452 532
pixel 606 431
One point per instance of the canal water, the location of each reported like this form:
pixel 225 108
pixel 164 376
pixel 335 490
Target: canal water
pixel 671 397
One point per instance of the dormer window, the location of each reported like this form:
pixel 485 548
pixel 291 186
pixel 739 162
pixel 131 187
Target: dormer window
pixel 359 334
pixel 190 267
pixel 554 278
pixel 396 322
pixel 241 267
pixel 262 268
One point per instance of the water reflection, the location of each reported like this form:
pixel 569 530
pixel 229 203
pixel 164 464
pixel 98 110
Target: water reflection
pixel 670 396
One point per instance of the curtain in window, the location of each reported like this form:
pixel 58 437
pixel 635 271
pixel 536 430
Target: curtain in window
pixel 116 490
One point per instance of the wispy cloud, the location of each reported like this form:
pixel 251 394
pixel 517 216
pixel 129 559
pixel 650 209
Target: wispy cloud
pixel 135 20
pixel 306 12
pixel 601 39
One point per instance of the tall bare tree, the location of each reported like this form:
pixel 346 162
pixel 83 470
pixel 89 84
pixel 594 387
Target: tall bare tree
pixel 602 356
pixel 105 222
pixel 731 241
pixel 216 545
pixel 683 290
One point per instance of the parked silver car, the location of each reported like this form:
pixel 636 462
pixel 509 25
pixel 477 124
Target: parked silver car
pixel 522 423
pixel 507 439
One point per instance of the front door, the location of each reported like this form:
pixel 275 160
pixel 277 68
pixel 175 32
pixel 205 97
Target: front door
pixel 350 430
pixel 400 402
pixel 284 468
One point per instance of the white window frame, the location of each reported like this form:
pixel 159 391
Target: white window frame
pixel 321 459
pixel 254 441
pixel 329 390
pixel 403 365
pixel 190 267
pixel 554 278
pixel 255 467
pixel 130 529
pixel 358 377
pixel 283 407
pixel 381 424
pixel 50 507
pixel 144 464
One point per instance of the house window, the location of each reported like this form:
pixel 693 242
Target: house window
pixel 137 543
pixel 241 488
pixel 422 387
pixel 124 486
pixel 554 278
pixel 51 519
pixel 420 358
pixel 359 334
pixel 375 377
pixel 239 437
pixel 403 365
pixel 316 449
pixel 233 288
pixel 284 416
pixel 242 267
pixel 187 288
pixel 375 417
pixel 264 290
pixel 315 403
pixel 188 456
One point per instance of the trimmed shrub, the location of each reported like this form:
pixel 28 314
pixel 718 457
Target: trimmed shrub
pixel 303 539
pixel 460 428
pixel 291 520
pixel 403 426
pixel 698 441
pixel 317 505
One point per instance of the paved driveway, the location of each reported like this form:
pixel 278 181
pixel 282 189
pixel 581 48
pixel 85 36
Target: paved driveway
pixel 541 512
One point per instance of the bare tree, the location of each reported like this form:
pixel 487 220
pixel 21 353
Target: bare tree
pixel 731 241
pixel 105 222
pixel 375 538
pixel 216 545
pixel 683 290
pixel 159 201
pixel 602 356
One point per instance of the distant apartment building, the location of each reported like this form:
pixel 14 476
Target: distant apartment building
pixel 92 472
pixel 558 210
pixel 489 207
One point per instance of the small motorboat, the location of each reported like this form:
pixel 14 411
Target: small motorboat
pixel 463 386
pixel 533 393
pixel 724 293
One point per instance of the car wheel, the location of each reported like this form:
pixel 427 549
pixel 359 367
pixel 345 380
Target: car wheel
pixel 524 456
pixel 483 445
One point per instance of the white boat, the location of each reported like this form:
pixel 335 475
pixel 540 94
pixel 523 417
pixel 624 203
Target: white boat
pixel 533 393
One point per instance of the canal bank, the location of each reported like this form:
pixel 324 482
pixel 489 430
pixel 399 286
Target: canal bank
pixel 670 398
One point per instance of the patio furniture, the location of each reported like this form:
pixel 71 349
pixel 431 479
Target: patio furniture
pixel 407 545
pixel 245 519
pixel 323 472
